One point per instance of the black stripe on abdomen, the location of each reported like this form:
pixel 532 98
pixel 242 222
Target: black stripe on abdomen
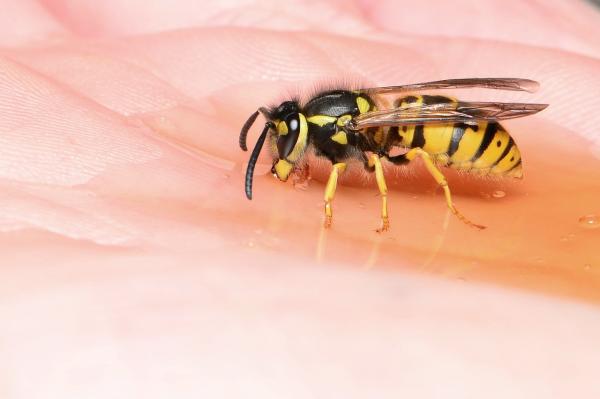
pixel 488 136
pixel 457 134
pixel 418 137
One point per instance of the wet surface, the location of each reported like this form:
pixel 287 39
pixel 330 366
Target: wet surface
pixel 540 234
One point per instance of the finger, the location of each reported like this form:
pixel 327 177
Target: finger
pixel 525 22
pixel 26 22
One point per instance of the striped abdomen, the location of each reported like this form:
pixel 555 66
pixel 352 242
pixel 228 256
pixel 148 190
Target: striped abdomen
pixel 484 148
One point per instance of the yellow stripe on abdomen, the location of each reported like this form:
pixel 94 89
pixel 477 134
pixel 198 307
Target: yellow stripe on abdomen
pixel 510 164
pixel 467 146
pixel 494 150
pixel 437 138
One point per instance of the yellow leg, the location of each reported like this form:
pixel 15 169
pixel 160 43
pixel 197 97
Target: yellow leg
pixel 337 170
pixel 385 221
pixel 441 180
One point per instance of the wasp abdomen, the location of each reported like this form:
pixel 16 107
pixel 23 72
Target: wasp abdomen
pixel 481 148
pixel 485 148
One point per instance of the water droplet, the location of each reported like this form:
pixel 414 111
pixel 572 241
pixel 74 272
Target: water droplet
pixel 568 237
pixel 587 266
pixel 498 194
pixel 301 179
pixel 590 221
pixel 271 242
pixel 303 186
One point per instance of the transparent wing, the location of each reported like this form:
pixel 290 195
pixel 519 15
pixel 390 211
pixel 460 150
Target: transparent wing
pixel 515 84
pixel 466 112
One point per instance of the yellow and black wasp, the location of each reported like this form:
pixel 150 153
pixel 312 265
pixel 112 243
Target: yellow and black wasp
pixel 344 125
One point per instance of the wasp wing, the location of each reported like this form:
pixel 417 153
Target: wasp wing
pixel 466 112
pixel 514 84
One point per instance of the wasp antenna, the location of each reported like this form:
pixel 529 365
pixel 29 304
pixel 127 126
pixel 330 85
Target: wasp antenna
pixel 254 158
pixel 245 128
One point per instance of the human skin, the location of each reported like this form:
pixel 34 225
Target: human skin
pixel 133 265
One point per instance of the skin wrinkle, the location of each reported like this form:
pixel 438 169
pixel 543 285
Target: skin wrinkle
pixel 158 16
pixel 586 120
pixel 135 83
pixel 152 276
pixel 79 159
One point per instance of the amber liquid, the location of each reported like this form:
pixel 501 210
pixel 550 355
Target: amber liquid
pixel 534 239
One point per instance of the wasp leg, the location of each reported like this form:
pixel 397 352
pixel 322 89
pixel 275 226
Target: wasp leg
pixel 437 175
pixel 338 169
pixel 375 161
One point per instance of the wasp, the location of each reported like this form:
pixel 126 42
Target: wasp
pixel 346 125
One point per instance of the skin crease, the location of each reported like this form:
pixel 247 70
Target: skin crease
pixel 133 265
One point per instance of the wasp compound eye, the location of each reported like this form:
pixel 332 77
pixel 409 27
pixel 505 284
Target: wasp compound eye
pixel 287 141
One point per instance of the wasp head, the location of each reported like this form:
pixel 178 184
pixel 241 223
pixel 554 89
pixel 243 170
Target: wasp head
pixel 288 137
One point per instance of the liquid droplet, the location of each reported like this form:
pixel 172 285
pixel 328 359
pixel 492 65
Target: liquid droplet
pixel 498 194
pixel 303 186
pixel 568 237
pixel 590 221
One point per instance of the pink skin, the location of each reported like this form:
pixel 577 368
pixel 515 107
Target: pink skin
pixel 133 265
